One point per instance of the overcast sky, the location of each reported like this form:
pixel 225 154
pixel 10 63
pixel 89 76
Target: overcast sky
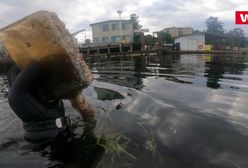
pixel 154 14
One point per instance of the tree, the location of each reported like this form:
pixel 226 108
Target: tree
pixel 167 39
pixel 150 40
pixel 246 42
pixel 238 35
pixel 135 20
pixel 214 25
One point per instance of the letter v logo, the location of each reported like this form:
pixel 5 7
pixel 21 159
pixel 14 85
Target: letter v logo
pixel 241 17
pixel 244 17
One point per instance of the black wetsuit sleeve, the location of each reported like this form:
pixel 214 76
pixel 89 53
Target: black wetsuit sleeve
pixel 27 107
pixel 25 78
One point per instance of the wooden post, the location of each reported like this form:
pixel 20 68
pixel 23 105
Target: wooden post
pixel 88 50
pixel 97 48
pixel 108 50
pixel 120 48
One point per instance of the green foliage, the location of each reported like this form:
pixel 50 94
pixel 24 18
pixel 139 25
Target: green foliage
pixel 167 39
pixel 238 37
pixel 150 40
pixel 150 144
pixel 214 25
pixel 246 42
pixel 117 145
pixel 136 38
pixel 135 20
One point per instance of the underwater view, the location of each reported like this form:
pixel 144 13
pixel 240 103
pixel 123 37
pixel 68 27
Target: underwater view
pixel 153 111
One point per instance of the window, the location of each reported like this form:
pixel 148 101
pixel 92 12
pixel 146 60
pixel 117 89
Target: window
pixel 95 40
pixel 115 26
pixel 105 27
pixel 126 37
pixel 105 39
pixel 125 26
pixel 115 38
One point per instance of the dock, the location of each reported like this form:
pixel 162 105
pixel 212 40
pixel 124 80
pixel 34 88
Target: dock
pixel 131 49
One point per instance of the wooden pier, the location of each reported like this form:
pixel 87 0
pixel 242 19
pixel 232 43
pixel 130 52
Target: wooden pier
pixel 131 49
pixel 92 49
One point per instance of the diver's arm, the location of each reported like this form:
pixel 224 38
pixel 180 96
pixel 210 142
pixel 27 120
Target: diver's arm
pixel 27 107
pixel 83 107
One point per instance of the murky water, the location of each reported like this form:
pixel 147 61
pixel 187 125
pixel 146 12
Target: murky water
pixel 174 111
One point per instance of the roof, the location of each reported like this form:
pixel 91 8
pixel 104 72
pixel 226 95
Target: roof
pixel 188 35
pixel 214 35
pixel 211 35
pixel 177 28
pixel 107 21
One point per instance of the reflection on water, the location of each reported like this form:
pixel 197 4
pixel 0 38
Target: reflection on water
pixel 175 111
pixel 225 69
pixel 213 71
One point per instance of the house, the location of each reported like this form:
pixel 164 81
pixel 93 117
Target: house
pixel 178 31
pixel 109 31
pixel 193 42
pixel 202 41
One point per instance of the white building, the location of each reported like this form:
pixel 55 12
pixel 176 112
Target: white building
pixel 109 31
pixel 193 42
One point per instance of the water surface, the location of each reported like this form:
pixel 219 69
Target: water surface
pixel 172 111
